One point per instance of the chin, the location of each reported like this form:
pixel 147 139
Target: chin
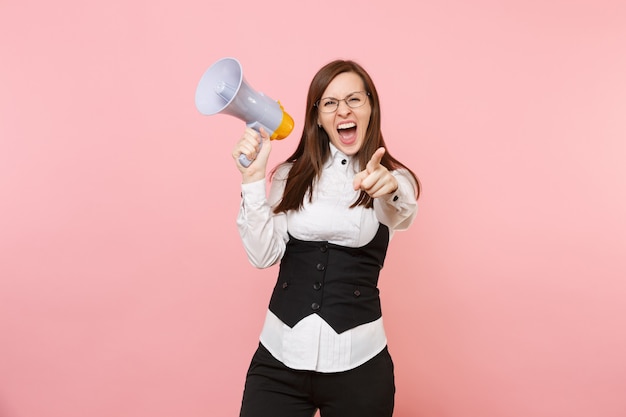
pixel 349 149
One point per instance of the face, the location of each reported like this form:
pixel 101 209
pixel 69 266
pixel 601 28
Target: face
pixel 346 126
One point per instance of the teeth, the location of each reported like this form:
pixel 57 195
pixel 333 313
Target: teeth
pixel 346 125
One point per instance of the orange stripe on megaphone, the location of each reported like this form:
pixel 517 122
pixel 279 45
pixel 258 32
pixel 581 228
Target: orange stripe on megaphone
pixel 285 127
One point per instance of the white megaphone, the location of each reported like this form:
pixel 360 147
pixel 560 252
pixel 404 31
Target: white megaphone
pixel 222 89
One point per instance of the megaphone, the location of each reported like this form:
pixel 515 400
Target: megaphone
pixel 223 89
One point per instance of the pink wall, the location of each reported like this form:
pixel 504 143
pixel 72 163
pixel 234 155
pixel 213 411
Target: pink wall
pixel 119 257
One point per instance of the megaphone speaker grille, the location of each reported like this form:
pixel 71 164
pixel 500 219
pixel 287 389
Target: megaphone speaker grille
pixel 218 86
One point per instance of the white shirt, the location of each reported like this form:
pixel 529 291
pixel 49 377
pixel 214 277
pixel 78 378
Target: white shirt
pixel 312 344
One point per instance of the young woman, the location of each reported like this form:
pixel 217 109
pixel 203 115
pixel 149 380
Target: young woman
pixel 331 211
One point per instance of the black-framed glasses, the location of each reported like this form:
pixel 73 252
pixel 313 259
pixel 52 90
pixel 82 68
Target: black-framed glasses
pixel 331 104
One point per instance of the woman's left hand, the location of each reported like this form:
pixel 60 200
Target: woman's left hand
pixel 375 179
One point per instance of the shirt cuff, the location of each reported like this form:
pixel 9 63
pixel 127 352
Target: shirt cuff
pixel 396 197
pixel 253 192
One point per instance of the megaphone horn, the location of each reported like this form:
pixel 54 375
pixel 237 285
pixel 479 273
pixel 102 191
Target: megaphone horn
pixel 223 89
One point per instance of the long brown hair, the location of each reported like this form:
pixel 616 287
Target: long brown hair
pixel 313 149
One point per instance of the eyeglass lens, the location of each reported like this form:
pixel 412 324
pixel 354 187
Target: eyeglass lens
pixel 331 104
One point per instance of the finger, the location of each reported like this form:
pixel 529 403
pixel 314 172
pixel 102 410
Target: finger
pixel 368 182
pixel 379 183
pixel 247 145
pixel 252 136
pixel 376 190
pixel 358 180
pixel 373 183
pixel 264 135
pixel 381 188
pixel 374 162
pixel 249 152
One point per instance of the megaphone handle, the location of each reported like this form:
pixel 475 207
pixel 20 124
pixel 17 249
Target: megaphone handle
pixel 243 159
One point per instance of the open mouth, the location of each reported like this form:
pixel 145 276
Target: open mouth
pixel 347 132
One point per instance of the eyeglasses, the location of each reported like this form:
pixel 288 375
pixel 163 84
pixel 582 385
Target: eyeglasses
pixel 330 104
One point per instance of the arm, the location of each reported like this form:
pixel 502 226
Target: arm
pixel 397 210
pixel 263 234
pixel 393 192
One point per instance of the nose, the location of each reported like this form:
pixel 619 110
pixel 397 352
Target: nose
pixel 345 109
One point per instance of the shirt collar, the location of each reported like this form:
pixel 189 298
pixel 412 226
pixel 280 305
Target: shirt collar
pixel 336 156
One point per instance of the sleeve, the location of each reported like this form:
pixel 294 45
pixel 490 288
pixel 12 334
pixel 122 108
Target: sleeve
pixel 263 233
pixel 398 210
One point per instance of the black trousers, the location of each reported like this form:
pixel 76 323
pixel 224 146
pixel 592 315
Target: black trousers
pixel 274 390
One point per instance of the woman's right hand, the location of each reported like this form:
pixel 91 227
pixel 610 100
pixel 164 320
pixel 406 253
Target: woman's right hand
pixel 256 147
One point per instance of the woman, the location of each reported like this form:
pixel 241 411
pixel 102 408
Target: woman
pixel 331 210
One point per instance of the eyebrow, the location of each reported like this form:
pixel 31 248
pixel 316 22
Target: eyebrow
pixel 349 94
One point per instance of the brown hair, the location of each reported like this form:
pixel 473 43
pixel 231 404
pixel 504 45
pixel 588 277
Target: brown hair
pixel 313 149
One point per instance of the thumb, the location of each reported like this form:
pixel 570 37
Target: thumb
pixel 265 145
pixel 264 135
pixel 358 179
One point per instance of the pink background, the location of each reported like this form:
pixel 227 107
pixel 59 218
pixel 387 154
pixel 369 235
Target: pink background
pixel 125 291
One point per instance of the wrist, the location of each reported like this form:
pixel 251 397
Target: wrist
pixel 396 186
pixel 252 177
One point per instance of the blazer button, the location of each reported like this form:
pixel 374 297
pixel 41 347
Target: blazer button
pixel 315 307
pixel 285 285
pixel 317 286
pixel 320 267
pixel 357 293
pixel 324 248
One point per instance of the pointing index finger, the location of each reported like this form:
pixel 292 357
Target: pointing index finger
pixel 376 158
